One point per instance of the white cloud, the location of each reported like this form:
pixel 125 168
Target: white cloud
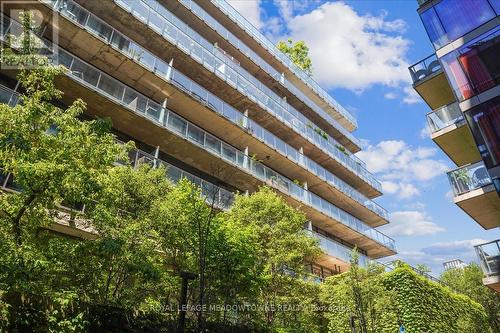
pixel 250 10
pixel 352 51
pixel 390 95
pixel 411 96
pixel 407 191
pixel 449 195
pixel 459 247
pixel 401 190
pixel 436 254
pixel 425 132
pixel 410 223
pixel 394 160
pixel 416 205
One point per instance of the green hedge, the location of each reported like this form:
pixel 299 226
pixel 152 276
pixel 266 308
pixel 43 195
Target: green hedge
pixel 400 296
pixel 425 306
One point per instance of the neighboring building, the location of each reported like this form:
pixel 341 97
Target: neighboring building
pixel 453 264
pixel 460 83
pixel 202 91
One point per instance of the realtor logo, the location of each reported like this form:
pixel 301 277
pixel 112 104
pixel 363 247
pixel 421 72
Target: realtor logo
pixel 27 34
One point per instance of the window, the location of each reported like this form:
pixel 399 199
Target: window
pixel 462 16
pixel 474 68
pixel 451 19
pixel 435 30
pixel 484 121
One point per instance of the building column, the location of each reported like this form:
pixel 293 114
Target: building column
pixel 169 69
pixel 156 154
pixel 245 119
pixel 282 78
pixel 246 158
pixel 309 225
pixel 163 111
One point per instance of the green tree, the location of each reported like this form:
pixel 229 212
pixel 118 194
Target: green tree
pixel 298 53
pixel 423 268
pixel 55 158
pixel 469 282
pixel 281 248
pixel 189 235
pixel 124 261
pixel 359 297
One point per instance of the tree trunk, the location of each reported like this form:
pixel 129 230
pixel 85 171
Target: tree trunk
pixel 16 221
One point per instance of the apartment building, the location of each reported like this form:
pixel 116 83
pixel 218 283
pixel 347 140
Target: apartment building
pixel 460 83
pixel 203 92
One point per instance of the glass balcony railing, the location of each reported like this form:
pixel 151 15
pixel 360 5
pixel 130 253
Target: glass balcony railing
pixel 444 116
pixel 8 96
pixel 213 59
pixel 335 249
pixel 213 102
pixel 469 178
pixel 222 31
pixel 424 68
pixel 134 101
pixel 166 72
pixel 489 257
pixel 219 197
pixel 234 15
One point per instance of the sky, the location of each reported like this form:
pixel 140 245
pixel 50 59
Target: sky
pixel 360 51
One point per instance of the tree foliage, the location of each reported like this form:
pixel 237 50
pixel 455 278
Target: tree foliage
pixel 298 53
pixel 400 297
pixel 141 232
pixel 468 280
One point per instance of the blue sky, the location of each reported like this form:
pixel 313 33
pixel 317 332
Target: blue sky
pixel 360 52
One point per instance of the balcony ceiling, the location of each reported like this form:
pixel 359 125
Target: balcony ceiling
pixel 435 90
pixel 483 205
pixel 457 142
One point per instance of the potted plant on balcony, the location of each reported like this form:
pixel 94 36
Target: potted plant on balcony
pixel 463 180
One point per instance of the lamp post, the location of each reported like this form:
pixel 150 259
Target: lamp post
pixel 186 277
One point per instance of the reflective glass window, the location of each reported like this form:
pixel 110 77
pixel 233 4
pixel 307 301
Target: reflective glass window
pixel 484 121
pixel 461 16
pixel 451 19
pixel 474 68
pixel 496 6
pixel 434 29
